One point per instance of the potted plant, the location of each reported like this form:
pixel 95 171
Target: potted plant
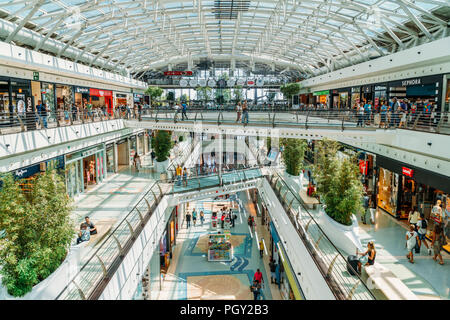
pixel 293 155
pixel 162 143
pixel 37 234
pixel 289 90
pixel 341 191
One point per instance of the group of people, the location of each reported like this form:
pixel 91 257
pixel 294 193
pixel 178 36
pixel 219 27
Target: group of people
pixel 242 109
pixel 194 218
pixel 416 235
pixel 396 113
pixel 87 228
pixel 181 174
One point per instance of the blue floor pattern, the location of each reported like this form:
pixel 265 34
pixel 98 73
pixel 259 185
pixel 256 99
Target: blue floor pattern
pixel 194 263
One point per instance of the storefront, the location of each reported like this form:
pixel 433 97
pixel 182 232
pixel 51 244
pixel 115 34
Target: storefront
pixel 167 242
pixel 85 169
pixel 123 153
pixel 340 98
pixel 133 147
pixel 402 187
pixel 102 99
pixel 111 158
pixel 81 95
pixel 380 96
pixel 140 143
pixel 138 98
pixel 27 174
pixel 322 97
pixel 366 94
pixel 420 89
pixel 122 100
pixel 13 96
pixel 64 97
pixel 356 96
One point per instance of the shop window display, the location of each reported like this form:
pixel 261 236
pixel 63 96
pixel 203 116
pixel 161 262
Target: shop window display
pixel 387 191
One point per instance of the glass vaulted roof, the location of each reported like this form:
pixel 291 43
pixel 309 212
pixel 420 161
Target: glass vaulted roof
pixel 310 36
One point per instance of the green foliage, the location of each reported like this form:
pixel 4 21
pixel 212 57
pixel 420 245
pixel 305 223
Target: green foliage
pixel 238 93
pixel 290 89
pixel 184 98
pixel 180 138
pixel 338 183
pixel 162 144
pixel 203 93
pixel 170 96
pixel 38 231
pixel 154 92
pixel 293 154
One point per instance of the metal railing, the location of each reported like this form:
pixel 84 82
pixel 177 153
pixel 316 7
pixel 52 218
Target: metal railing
pixel 89 282
pixel 436 122
pixel 329 260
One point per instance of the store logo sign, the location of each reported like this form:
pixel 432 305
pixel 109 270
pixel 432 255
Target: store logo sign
pixel 410 82
pixel 20 173
pixel 407 171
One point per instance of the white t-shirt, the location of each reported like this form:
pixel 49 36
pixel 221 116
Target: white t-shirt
pixel 411 242
pixel 421 230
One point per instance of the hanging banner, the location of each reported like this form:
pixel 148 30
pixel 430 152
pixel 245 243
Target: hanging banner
pixel 363 166
pixel 178 73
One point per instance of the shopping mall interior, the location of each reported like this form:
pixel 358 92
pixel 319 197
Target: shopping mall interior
pixel 224 150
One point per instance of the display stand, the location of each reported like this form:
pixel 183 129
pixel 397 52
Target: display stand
pixel 219 247
pixel 214 223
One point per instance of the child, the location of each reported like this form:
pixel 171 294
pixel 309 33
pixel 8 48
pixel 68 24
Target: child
pixel 411 238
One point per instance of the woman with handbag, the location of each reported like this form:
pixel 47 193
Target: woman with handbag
pixel 437 242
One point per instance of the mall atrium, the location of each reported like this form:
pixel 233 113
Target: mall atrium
pixel 224 150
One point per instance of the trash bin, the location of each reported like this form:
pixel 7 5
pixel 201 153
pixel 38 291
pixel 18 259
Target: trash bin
pixel 352 264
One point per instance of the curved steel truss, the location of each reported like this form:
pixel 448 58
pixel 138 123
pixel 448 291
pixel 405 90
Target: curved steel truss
pixel 310 36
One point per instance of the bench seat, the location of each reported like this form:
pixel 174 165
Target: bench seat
pixel 382 279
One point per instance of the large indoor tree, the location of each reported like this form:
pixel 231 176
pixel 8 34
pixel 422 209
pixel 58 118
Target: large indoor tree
pixel 162 143
pixel 154 92
pixel 338 182
pixel 289 90
pixel 293 154
pixel 37 230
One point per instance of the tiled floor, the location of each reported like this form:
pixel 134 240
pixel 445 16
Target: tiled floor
pixel 426 278
pixel 191 276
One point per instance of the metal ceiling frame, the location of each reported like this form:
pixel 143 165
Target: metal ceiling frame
pixel 312 36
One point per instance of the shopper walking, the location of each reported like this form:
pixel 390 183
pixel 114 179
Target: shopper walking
pixel 184 109
pixel 178 174
pixel 413 217
pixel 245 112
pixel 411 239
pixel 383 113
pixel 261 248
pixel 250 222
pixel 222 219
pixel 256 289
pixel 436 214
pixel 422 231
pixel 273 269
pixel 194 216
pixel 438 241
pixel 238 111
pixel 202 217
pixel 360 111
pixel 185 174
pixel 367 112
pixel 153 156
pixel 188 220
pixel 258 276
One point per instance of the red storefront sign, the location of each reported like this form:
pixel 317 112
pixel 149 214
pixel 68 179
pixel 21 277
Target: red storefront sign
pixel 407 172
pixel 100 93
pixel 250 83
pixel 178 73
pixel 363 166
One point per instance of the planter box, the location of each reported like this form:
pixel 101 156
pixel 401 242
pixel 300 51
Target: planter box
pixel 162 166
pixel 52 286
pixel 343 237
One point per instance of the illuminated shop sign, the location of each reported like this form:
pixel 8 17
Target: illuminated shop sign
pixel 178 73
pixel 411 82
pixel 407 172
